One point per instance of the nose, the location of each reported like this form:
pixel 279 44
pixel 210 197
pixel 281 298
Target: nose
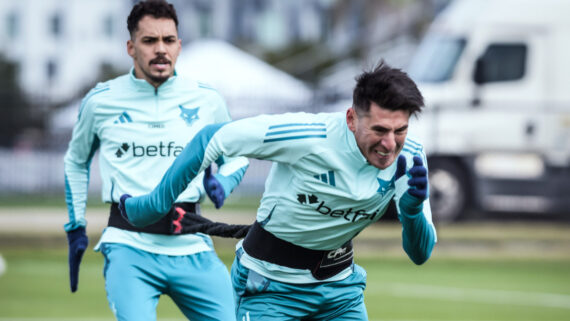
pixel 160 47
pixel 389 141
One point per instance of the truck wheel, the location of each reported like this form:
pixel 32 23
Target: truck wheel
pixel 449 190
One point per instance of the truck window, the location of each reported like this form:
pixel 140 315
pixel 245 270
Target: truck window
pixel 503 62
pixel 436 58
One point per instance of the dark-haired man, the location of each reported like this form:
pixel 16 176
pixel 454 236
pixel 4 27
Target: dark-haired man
pixel 333 174
pixel 140 123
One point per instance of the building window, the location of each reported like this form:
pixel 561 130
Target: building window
pixel 205 24
pixel 56 25
pixel 108 26
pixel 13 25
pixel 205 18
pixel 51 70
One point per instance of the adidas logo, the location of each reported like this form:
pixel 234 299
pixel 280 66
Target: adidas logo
pixel 124 118
pixel 327 178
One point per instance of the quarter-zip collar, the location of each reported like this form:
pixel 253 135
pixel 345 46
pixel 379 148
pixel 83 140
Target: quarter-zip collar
pixel 143 85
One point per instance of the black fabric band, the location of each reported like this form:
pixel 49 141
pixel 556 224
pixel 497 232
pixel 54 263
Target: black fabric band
pixel 265 246
pixel 163 226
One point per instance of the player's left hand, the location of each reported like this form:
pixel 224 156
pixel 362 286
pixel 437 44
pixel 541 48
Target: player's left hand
pixel 417 193
pixel 122 209
pixel 78 241
pixel 214 188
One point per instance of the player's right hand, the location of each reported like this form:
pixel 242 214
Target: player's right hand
pixel 78 241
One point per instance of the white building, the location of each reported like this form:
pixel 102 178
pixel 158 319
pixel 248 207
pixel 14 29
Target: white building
pixel 60 46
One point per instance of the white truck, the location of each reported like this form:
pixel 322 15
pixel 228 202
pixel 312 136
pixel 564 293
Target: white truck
pixel 495 75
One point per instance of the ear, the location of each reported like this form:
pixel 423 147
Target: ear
pixel 351 119
pixel 131 48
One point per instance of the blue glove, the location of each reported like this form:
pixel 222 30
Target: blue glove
pixel 122 206
pixel 77 240
pixel 214 188
pixel 412 200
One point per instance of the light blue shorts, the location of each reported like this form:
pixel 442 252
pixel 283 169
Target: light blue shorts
pixel 199 284
pixel 259 298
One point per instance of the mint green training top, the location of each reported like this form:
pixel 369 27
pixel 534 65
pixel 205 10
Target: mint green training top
pixel 320 193
pixel 139 131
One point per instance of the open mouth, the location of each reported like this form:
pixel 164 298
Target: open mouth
pixel 160 63
pixel 382 154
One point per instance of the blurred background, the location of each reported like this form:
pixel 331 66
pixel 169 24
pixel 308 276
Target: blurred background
pixel 496 129
pixel 263 56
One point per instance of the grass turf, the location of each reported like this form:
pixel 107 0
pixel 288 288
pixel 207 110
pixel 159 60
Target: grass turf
pixel 35 287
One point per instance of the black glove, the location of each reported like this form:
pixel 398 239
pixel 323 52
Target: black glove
pixel 193 223
pixel 214 188
pixel 417 193
pixel 122 209
pixel 78 241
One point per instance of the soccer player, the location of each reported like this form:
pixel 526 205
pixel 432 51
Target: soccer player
pixel 139 123
pixel 333 174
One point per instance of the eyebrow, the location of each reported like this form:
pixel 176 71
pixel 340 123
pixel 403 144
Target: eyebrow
pixel 379 128
pixel 169 37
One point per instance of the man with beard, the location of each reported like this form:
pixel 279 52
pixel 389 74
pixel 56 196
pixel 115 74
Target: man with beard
pixel 140 122
pixel 333 175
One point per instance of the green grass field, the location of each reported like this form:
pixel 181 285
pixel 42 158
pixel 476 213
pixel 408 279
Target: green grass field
pixel 35 287
pixel 478 272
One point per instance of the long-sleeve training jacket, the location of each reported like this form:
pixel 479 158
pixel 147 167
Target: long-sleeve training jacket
pixel 138 131
pixel 320 193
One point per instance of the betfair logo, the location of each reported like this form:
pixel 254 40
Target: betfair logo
pixel 307 199
pixel 350 214
pixel 159 150
pixel 122 150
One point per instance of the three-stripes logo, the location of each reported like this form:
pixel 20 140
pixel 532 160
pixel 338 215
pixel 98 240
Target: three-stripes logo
pixel 123 118
pixel 327 178
pixel 295 131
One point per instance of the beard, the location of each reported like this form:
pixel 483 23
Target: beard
pixel 156 79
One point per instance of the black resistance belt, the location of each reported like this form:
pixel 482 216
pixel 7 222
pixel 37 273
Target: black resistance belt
pixel 168 225
pixel 265 246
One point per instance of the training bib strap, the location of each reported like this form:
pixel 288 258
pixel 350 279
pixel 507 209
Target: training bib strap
pixel 168 225
pixel 265 246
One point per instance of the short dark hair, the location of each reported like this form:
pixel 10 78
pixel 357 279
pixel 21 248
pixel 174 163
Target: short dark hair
pixel 155 8
pixel 389 88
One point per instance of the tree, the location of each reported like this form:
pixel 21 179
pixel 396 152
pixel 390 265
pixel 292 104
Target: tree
pixel 17 113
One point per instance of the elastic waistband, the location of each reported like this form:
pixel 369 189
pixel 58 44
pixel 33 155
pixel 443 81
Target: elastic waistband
pixel 163 226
